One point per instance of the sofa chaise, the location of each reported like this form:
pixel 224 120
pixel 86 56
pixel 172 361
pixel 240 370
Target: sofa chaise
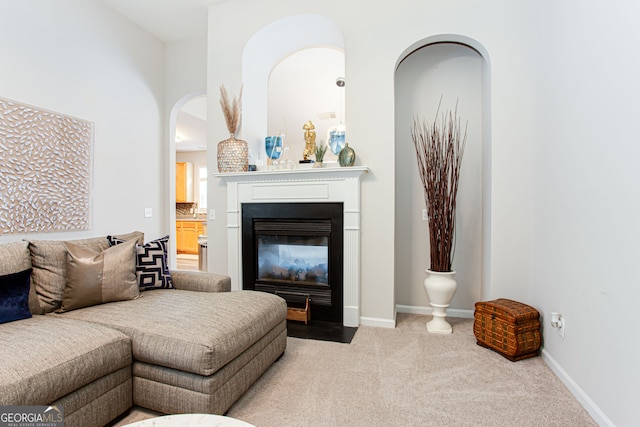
pixel 192 347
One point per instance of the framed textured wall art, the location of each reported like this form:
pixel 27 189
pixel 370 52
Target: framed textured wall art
pixel 45 170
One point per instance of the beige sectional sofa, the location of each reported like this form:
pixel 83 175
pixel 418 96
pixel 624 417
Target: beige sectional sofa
pixel 194 348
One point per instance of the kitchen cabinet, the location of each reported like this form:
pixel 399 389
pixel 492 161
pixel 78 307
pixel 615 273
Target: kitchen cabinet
pixel 187 233
pixel 184 182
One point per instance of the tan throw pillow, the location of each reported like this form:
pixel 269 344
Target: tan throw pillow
pixel 98 277
pixel 48 258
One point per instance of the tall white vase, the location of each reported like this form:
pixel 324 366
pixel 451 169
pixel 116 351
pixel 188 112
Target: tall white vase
pixel 440 287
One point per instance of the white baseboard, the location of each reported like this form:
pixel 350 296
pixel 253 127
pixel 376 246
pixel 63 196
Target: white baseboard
pixel 582 397
pixel 453 312
pixel 378 322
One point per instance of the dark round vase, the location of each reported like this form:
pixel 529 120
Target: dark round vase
pixel 347 156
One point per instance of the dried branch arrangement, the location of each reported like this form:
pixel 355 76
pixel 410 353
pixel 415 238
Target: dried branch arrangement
pixel 231 110
pixel 439 148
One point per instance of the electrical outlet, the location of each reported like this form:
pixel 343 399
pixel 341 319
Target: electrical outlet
pixel 558 322
pixel 424 215
pixel 148 212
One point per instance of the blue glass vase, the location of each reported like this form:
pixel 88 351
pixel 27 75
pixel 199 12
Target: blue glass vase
pixel 336 139
pixel 273 146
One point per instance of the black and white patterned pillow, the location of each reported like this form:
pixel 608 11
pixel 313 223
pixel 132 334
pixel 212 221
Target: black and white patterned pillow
pixel 152 266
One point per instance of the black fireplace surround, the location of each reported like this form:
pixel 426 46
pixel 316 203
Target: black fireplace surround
pixel 295 250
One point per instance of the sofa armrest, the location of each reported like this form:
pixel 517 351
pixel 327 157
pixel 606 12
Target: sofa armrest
pixel 200 281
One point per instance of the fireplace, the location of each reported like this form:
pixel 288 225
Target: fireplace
pixel 314 186
pixel 295 250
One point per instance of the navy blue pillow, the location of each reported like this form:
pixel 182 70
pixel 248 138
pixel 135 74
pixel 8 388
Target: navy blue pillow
pixel 14 296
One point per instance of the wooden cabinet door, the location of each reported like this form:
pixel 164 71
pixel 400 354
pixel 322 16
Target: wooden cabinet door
pixel 184 182
pixel 187 233
pixel 190 232
pixel 181 185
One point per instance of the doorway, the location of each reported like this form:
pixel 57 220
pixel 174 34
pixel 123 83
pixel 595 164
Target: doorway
pixel 188 219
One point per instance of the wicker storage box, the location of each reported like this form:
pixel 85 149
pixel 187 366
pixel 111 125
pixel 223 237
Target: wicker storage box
pixel 509 327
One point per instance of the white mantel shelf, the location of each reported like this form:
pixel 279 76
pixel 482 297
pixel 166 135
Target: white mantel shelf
pixel 308 185
pixel 301 174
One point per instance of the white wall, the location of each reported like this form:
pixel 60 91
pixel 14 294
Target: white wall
pixel 185 68
pixel 562 198
pixel 586 200
pixel 80 58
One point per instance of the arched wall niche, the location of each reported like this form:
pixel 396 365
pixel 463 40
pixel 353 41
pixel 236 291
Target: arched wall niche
pixel 456 69
pixel 266 48
pixel 302 87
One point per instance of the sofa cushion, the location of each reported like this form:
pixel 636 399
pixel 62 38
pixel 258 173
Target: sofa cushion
pixel 98 403
pixel 14 258
pixel 152 265
pixel 170 391
pixel 14 296
pixel 189 280
pixel 99 277
pixel 48 258
pixel 196 332
pixel 45 358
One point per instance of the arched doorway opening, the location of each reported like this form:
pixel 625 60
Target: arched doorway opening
pixel 187 136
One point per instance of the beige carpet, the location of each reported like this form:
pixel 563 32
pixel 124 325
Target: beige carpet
pixel 404 377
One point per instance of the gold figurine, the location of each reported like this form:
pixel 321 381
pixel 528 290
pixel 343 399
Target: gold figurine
pixel 309 140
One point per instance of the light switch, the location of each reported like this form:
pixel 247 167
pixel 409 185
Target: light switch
pixel 212 214
pixel 148 212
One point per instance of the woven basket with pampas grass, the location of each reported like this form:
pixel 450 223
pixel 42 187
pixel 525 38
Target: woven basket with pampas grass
pixel 233 154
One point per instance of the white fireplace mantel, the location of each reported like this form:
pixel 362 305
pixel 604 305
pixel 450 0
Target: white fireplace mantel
pixel 300 185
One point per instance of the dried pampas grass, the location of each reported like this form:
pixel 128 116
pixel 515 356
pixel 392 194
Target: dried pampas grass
pixel 231 110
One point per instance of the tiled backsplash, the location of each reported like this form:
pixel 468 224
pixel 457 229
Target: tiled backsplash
pixel 186 209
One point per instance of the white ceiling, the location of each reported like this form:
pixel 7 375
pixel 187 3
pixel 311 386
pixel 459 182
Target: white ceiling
pixel 168 20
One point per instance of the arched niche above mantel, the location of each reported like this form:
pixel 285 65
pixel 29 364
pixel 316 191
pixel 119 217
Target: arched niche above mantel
pixel 303 87
pixel 264 50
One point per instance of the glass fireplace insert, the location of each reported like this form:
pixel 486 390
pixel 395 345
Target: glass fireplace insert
pixel 295 250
